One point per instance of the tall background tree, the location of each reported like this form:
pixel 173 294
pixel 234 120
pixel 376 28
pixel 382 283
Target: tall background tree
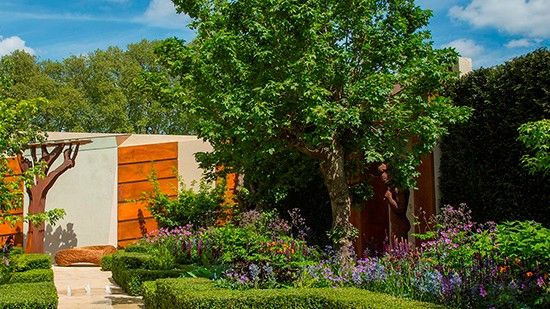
pixel 348 84
pixel 110 90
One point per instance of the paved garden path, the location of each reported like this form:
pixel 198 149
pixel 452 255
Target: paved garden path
pixel 90 288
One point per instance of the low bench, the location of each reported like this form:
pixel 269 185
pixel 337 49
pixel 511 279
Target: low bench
pixel 90 254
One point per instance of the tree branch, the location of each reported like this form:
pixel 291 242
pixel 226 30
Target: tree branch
pixel 50 157
pixel 68 162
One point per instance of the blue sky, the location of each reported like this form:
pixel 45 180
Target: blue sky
pixel 488 31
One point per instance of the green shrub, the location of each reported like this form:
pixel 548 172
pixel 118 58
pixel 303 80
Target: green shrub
pixel 41 295
pixel 481 162
pixel 17 250
pixel 201 293
pixel 197 207
pixel 162 259
pixel 107 262
pixel 129 260
pixel 24 262
pixel 138 247
pixel 527 241
pixel 33 275
pixel 131 280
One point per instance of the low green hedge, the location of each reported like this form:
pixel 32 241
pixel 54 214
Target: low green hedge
pixel 107 262
pixel 41 295
pixel 33 275
pixel 24 262
pixel 129 260
pixel 149 293
pixel 137 248
pixel 131 280
pixel 202 293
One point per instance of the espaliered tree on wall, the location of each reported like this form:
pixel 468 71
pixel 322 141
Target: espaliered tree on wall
pixel 43 182
pixel 346 83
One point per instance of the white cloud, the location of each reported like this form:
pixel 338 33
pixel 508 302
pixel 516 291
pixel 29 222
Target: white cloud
pixel 519 43
pixel 466 48
pixel 162 13
pixel 530 18
pixel 13 43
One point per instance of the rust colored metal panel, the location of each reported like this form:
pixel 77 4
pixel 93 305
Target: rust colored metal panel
pixel 13 165
pixel 135 166
pixel 424 197
pixel 133 211
pixel 128 192
pixel 17 229
pixel 147 153
pixel 142 171
pixel 128 230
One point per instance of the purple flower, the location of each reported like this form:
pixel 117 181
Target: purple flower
pixel 540 282
pixel 482 291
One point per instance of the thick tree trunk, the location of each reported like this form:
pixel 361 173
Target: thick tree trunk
pixel 332 169
pixel 37 204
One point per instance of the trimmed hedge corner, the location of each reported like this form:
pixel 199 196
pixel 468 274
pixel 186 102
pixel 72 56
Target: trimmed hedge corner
pixel 107 262
pixel 149 292
pixel 129 271
pixel 41 295
pixel 24 262
pixel 31 276
pixel 202 293
pixel 131 280
pixel 129 260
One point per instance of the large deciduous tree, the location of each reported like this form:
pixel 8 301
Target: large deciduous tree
pixel 350 84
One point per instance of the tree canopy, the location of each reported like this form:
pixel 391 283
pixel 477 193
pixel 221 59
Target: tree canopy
pixel 349 84
pixel 16 133
pixel 104 91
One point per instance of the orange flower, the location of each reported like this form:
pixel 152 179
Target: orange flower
pixel 529 274
pixel 503 269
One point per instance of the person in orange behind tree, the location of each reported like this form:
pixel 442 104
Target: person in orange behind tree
pixel 6 250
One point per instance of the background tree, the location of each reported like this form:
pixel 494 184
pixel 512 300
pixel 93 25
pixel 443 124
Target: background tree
pixel 110 90
pixel 481 163
pixel 316 77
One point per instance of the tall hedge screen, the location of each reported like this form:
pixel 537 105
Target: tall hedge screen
pixel 480 164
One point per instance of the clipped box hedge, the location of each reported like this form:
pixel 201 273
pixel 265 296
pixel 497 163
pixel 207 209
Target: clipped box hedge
pixel 128 270
pixel 107 262
pixel 40 295
pixel 131 280
pixel 201 293
pixel 24 262
pixel 129 260
pixel 33 275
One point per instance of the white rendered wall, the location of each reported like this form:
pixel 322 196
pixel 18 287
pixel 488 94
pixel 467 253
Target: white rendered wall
pixel 188 167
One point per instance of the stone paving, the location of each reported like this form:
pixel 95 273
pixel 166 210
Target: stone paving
pixel 85 287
